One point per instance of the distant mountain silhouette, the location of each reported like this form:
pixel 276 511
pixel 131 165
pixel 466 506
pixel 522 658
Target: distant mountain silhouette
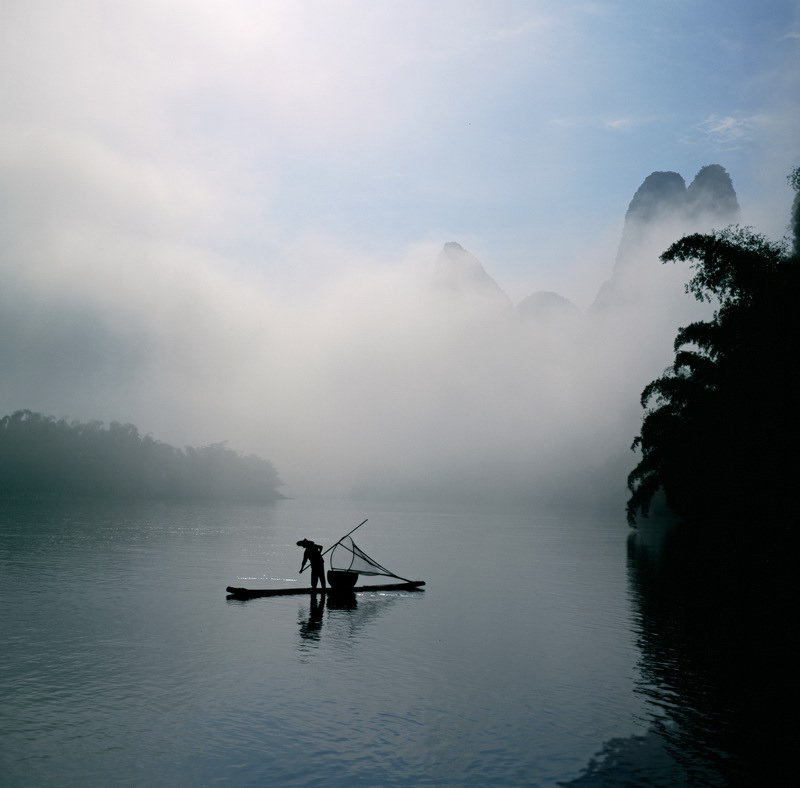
pixel 711 194
pixel 562 348
pixel 663 209
pixel 457 272
pixel 546 304
pixel 661 194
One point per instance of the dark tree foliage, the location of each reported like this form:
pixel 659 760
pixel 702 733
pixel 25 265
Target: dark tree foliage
pixel 794 227
pixel 40 456
pixel 720 433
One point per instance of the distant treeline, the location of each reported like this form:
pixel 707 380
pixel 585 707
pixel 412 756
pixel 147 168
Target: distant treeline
pixel 43 457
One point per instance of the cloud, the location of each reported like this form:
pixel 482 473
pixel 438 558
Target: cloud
pixel 623 123
pixel 729 132
pixel 620 124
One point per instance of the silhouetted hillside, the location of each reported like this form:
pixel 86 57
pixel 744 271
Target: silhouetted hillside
pixel 661 194
pixel 40 456
pixel 662 209
pixel 546 304
pixel 458 272
pixel 711 194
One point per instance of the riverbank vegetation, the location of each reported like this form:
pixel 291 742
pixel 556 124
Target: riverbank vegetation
pixel 44 457
pixel 720 433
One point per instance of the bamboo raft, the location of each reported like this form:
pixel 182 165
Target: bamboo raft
pixel 254 593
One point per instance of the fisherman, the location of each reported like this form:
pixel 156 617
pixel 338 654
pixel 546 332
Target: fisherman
pixel 313 554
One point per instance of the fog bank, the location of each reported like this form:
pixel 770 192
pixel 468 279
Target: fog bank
pixel 414 376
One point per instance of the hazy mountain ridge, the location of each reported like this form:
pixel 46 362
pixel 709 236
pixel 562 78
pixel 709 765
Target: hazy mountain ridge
pixel 558 362
pixel 418 379
pixel 662 202
pixel 662 210
pixel 458 273
pixel 546 304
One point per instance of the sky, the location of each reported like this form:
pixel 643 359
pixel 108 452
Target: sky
pixel 209 210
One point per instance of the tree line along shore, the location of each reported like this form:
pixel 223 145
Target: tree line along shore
pixel 44 457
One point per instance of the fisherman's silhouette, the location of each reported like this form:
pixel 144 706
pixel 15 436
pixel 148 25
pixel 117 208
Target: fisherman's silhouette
pixel 313 554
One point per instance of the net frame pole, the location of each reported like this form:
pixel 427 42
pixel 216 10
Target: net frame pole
pixel 344 537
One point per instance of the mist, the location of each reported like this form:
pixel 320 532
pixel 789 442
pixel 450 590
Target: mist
pixel 386 377
pixel 225 223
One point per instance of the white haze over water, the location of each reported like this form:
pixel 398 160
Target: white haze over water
pixel 219 222
pixel 373 376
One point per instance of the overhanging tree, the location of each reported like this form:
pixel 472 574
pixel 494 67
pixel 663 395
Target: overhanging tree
pixel 719 435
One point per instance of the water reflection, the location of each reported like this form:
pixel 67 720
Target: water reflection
pixel 714 622
pixel 311 627
pixel 342 600
pixel 344 617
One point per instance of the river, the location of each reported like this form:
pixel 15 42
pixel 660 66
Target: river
pixel 542 651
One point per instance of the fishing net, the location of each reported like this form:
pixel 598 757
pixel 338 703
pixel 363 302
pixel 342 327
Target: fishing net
pixel 347 556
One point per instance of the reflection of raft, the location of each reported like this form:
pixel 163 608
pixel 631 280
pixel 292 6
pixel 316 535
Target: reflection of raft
pixel 253 593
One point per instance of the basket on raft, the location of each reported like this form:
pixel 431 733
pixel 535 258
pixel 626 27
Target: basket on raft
pixel 342 578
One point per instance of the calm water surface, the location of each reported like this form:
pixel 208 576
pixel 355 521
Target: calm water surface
pixel 527 660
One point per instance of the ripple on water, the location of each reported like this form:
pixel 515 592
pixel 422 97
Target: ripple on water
pixel 123 658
